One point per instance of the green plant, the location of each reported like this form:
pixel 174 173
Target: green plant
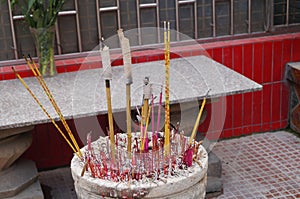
pixel 41 17
pixel 39 13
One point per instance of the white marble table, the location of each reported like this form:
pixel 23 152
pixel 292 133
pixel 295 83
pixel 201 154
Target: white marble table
pixel 82 93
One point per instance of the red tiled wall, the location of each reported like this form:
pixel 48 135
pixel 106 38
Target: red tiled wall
pixel 260 59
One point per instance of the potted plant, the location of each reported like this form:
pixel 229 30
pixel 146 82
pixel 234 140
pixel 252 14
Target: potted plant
pixel 41 16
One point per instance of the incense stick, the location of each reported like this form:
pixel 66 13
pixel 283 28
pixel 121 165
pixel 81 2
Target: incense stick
pixel 44 110
pixel 110 118
pixel 42 82
pixel 167 93
pixel 146 129
pixel 127 69
pixel 107 77
pixel 198 119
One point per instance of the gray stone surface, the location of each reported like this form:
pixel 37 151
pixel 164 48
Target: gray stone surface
pixel 34 191
pixel 17 178
pixel 11 148
pixel 82 93
pixel 14 131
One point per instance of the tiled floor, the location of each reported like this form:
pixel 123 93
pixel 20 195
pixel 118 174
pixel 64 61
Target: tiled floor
pixel 259 166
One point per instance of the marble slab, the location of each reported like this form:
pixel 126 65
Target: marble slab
pixel 82 93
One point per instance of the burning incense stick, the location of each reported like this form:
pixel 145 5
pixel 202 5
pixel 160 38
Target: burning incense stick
pixel 42 82
pixel 107 73
pixel 167 94
pixel 47 114
pixel 127 69
pixel 198 119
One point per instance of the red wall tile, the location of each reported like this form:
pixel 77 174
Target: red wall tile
pixel 256 129
pixel 277 61
pixel 276 125
pixel 287 51
pixel 284 124
pixel 217 55
pixel 238 110
pixel 209 52
pixel 10 75
pixel 266 127
pixel 227 56
pixel 276 102
pixel 25 73
pixel 205 125
pixel 258 62
pixel 227 133
pixel 296 49
pixel 247 61
pixel 248 114
pixel 229 114
pixel 238 131
pixel 218 115
pixel 266 103
pixel 257 107
pixel 285 105
pixel 238 59
pixel 247 130
pixel 153 58
pixel 267 61
pixel 71 68
pixel 60 69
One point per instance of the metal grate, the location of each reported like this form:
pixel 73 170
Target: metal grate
pixel 140 6
pixel 182 2
pixel 115 8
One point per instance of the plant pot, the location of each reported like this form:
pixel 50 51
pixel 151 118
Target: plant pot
pixel 44 41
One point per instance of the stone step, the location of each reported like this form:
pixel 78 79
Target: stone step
pixel 17 178
pixel 34 191
pixel 12 148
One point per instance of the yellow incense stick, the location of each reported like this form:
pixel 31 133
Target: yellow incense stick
pixel 51 98
pixel 146 108
pixel 198 119
pixel 167 94
pixel 110 119
pixel 42 82
pixel 142 126
pixel 44 110
pixel 146 128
